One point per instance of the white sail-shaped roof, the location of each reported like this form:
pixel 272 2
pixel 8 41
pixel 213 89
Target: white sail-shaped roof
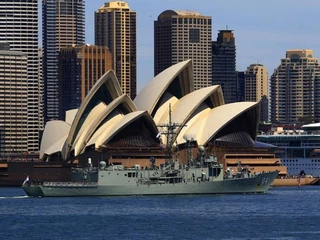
pixel 187 105
pixel 163 107
pixel 206 127
pixel 98 138
pixel 70 115
pixel 106 89
pixel 94 120
pixel 125 121
pixel 107 118
pixel 86 126
pixel 178 76
pixel 57 146
pixel 54 131
pixel 193 122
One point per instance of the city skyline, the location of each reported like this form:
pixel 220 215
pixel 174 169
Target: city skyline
pixel 259 38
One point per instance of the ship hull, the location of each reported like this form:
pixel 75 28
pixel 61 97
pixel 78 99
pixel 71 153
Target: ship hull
pixel 258 184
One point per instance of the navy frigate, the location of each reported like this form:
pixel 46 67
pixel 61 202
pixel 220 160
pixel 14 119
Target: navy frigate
pixel 201 175
pixel 206 177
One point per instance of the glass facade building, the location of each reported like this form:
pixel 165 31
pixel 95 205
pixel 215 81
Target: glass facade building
pixel 63 26
pixel 80 67
pixel 115 28
pixel 224 65
pixel 183 35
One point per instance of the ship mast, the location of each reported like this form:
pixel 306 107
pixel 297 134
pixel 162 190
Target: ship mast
pixel 169 131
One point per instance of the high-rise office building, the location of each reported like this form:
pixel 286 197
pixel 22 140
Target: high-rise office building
pixel 240 85
pixel 63 26
pixel 13 102
pixel 256 88
pixel 182 35
pixel 19 28
pixel 224 65
pixel 79 68
pixel 41 91
pixel 295 88
pixel 115 28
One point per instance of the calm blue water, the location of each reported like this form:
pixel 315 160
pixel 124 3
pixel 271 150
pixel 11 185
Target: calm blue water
pixel 283 213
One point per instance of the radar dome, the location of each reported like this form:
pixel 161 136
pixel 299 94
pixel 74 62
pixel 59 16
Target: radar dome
pixel 102 164
pixel 201 148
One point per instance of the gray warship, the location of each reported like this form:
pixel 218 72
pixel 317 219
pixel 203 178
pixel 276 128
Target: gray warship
pixel 202 175
pixel 206 176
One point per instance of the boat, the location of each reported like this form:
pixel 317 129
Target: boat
pixel 200 175
pixel 295 181
pixel 299 150
pixel 205 176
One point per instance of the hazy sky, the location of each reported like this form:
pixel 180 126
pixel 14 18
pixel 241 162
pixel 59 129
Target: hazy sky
pixel 264 30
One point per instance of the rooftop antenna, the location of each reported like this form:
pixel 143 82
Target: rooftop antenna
pixel 226 27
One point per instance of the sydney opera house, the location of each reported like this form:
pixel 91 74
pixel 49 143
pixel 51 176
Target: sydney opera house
pixel 110 126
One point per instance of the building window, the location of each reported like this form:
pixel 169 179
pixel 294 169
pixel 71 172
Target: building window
pixel 194 35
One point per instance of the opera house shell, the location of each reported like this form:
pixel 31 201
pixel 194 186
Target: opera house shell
pixel 109 124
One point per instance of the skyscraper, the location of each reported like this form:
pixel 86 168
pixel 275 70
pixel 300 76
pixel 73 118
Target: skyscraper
pixel 79 68
pixel 295 88
pixel 240 85
pixel 41 91
pixel 224 65
pixel 256 88
pixel 115 28
pixel 63 26
pixel 182 35
pixel 13 102
pixel 19 28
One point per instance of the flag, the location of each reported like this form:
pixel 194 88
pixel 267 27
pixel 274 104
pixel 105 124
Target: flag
pixel 158 135
pixel 25 181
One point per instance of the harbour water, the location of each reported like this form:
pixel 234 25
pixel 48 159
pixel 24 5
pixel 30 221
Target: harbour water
pixel 282 213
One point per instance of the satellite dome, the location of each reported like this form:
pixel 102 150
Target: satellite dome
pixel 102 164
pixel 201 148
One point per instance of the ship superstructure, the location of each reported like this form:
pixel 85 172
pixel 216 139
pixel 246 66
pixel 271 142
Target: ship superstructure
pixel 299 150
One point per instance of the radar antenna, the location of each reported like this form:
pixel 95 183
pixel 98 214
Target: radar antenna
pixel 169 130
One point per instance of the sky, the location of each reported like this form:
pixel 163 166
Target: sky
pixel 263 30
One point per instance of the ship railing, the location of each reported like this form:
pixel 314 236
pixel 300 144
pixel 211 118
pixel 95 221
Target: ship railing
pixel 34 183
pixel 295 176
pixel 69 184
